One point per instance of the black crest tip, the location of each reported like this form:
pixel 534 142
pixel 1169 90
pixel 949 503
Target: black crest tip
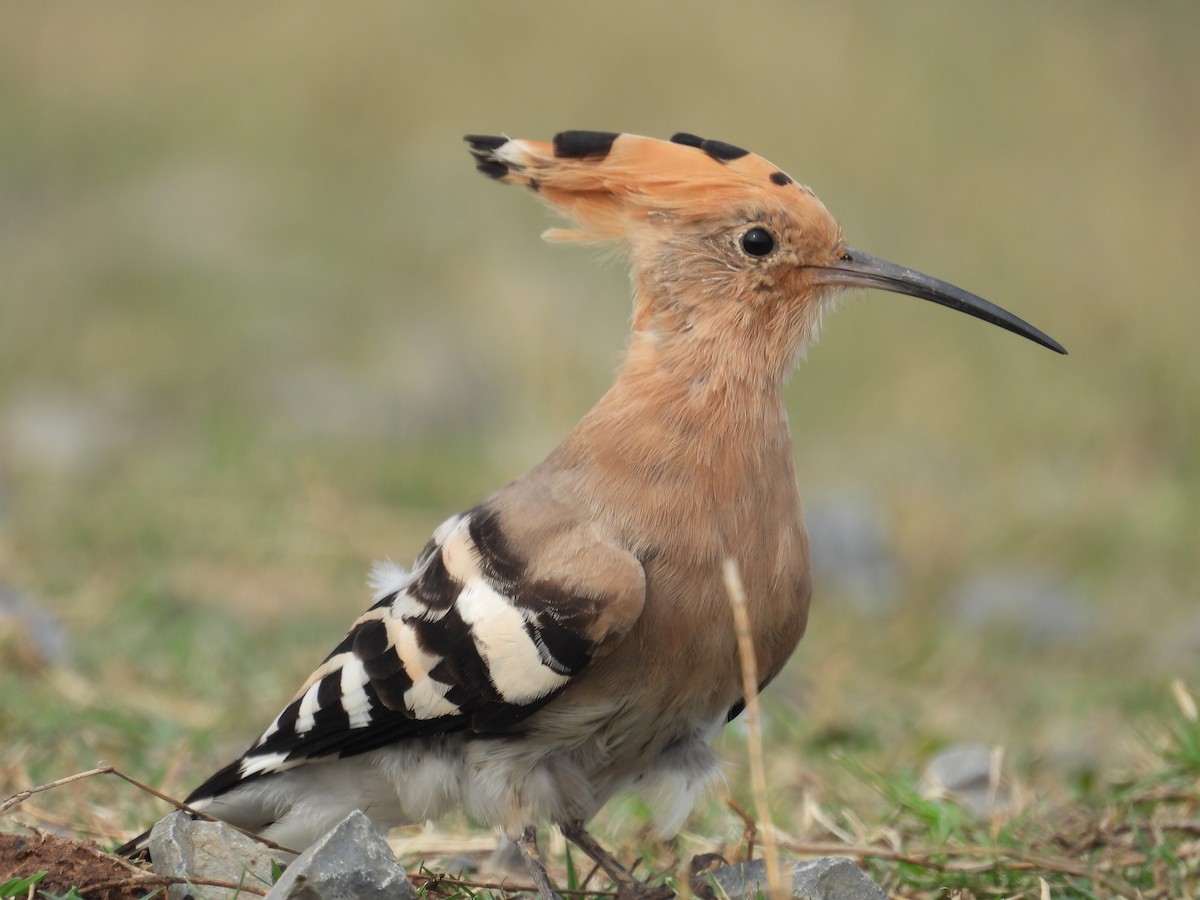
pixel 492 168
pixel 485 143
pixel 483 148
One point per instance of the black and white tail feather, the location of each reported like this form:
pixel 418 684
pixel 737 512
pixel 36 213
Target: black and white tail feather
pixel 464 646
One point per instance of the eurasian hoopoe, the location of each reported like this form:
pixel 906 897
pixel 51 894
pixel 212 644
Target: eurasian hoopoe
pixel 570 637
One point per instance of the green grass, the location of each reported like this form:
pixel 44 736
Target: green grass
pixel 19 887
pixel 249 268
pixel 1133 839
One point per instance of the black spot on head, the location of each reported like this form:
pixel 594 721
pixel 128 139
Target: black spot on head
pixel 718 150
pixel 534 185
pixel 688 140
pixel 781 178
pixel 497 561
pixel 581 144
pixel 722 152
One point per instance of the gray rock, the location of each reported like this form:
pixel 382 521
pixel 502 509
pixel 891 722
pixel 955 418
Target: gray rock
pixel 827 878
pixel 351 862
pixel 183 847
pixel 45 639
pixel 1039 609
pixel 62 433
pixel 1177 643
pixel 964 774
pixel 458 866
pixel 848 540
pixel 506 859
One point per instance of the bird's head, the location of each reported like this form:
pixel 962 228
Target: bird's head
pixel 722 242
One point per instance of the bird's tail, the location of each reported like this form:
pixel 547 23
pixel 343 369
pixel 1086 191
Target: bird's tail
pixel 138 848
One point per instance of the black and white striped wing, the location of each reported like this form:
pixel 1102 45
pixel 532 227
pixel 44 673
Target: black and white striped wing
pixel 466 641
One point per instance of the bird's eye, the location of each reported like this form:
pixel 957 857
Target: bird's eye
pixel 758 242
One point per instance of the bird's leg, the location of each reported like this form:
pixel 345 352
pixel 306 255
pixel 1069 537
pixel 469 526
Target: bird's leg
pixel 527 844
pixel 628 887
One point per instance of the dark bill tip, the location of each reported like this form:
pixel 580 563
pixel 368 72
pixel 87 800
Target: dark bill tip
pixel 858 269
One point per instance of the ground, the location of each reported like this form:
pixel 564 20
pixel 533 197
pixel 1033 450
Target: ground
pixel 68 863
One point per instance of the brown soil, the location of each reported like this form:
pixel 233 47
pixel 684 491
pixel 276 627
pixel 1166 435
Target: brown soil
pixel 79 864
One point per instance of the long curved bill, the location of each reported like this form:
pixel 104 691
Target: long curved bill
pixel 858 269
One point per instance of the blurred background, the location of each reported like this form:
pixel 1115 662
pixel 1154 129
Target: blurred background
pixel 262 323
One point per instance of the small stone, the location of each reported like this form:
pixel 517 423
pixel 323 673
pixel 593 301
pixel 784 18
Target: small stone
pixel 61 433
pixel 351 862
pixel 848 540
pixel 1037 608
pixel 827 878
pixel 30 638
pixel 506 859
pixel 183 847
pixel 1177 644
pixel 964 774
pixel 458 866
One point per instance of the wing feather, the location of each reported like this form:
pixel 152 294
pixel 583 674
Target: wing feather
pixel 466 641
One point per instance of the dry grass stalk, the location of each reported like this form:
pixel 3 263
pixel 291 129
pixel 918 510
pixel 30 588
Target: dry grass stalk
pixel 758 773
pixel 21 796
